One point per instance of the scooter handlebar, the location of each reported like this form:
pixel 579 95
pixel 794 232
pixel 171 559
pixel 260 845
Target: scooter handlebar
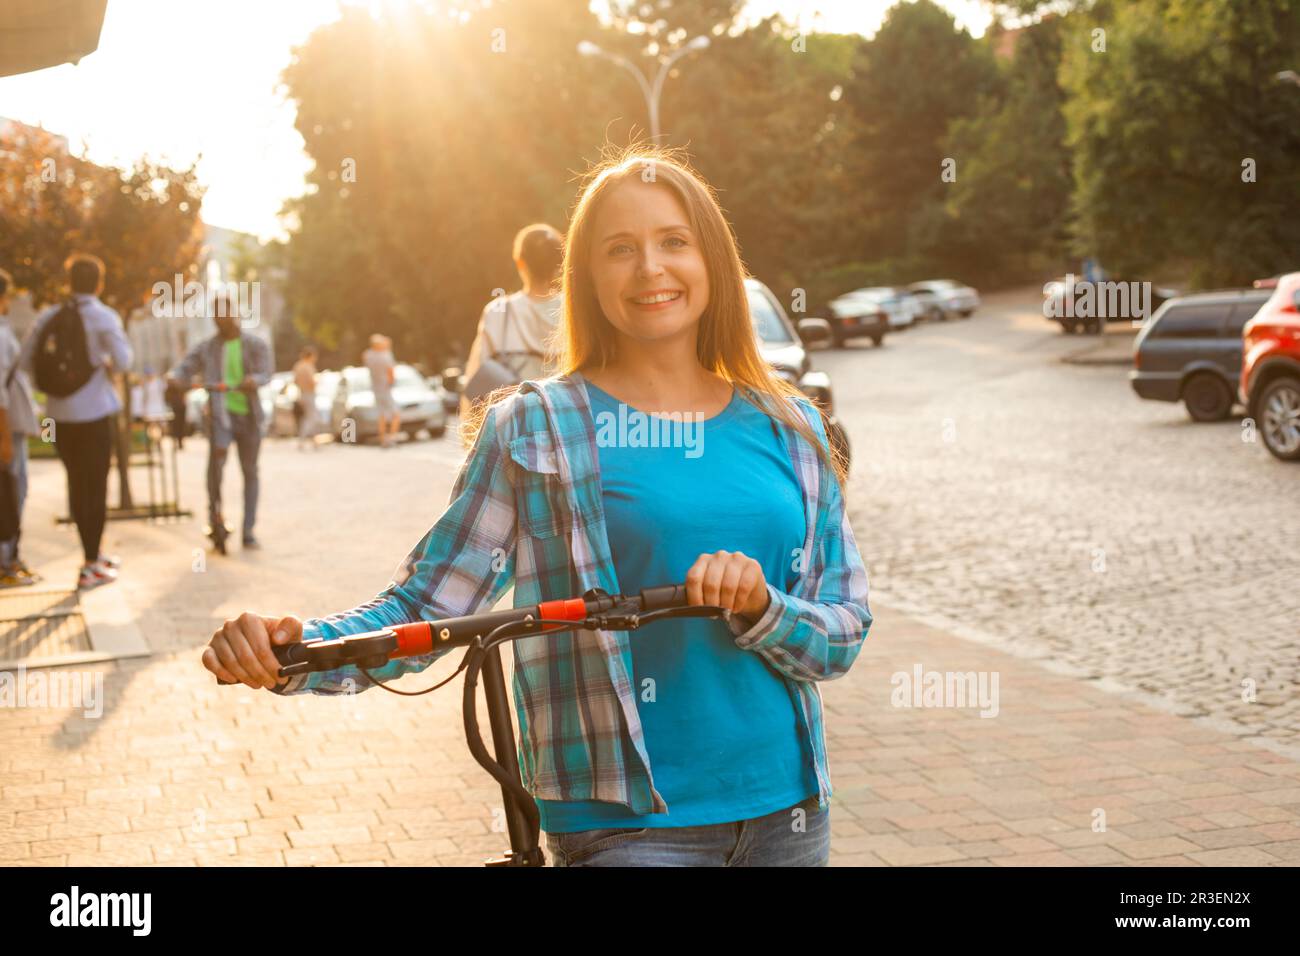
pixel 376 648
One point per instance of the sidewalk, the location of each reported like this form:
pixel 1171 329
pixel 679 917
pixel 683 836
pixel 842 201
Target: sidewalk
pixel 180 771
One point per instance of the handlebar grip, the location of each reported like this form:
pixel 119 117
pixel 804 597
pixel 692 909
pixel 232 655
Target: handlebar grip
pixel 284 653
pixel 665 596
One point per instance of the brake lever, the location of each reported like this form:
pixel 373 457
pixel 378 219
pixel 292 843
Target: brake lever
pixel 631 620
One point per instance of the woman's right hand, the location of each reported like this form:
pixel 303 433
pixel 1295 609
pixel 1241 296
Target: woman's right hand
pixel 240 651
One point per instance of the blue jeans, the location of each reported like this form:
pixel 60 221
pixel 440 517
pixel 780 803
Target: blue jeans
pixel 784 838
pixel 17 468
pixel 247 438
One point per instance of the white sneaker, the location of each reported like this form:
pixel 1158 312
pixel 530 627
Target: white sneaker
pixel 93 575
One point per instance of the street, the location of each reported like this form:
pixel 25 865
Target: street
pixel 1046 507
pixel 1122 569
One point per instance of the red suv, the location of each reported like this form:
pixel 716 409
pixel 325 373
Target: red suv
pixel 1270 369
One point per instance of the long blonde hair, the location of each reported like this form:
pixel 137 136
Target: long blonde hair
pixel 726 343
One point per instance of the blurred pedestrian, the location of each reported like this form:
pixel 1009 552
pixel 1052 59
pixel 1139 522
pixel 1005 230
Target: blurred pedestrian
pixel 383 371
pixel 305 409
pixel 515 331
pixel 234 364
pixel 17 421
pixel 70 351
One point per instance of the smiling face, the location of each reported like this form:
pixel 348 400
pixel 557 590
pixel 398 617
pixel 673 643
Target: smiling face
pixel 647 269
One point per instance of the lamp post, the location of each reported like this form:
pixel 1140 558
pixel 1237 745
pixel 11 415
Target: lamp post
pixel 651 92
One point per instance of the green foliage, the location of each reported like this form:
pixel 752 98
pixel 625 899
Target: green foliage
pixel 464 122
pixel 1161 123
pixel 916 77
pixel 456 134
pixel 1006 214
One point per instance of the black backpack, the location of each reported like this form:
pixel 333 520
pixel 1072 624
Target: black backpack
pixel 61 361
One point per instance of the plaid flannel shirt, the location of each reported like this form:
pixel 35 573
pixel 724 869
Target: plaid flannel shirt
pixel 526 509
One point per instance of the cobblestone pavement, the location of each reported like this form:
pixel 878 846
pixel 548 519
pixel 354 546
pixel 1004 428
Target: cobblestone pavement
pixel 1044 507
pixel 981 557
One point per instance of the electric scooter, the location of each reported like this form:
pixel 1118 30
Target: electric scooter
pixel 217 530
pixel 482 635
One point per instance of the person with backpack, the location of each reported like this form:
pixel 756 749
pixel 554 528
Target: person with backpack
pixel 241 361
pixel 17 421
pixel 513 343
pixel 70 352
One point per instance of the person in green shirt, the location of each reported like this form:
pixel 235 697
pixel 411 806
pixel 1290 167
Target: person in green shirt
pixel 241 361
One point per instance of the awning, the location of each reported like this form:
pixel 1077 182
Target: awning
pixel 36 34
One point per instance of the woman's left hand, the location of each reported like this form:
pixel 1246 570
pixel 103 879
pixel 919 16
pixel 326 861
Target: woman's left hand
pixel 728 579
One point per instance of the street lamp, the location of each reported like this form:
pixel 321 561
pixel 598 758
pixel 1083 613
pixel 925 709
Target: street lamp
pixel 652 93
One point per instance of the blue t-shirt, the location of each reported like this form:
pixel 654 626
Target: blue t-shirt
pixel 723 729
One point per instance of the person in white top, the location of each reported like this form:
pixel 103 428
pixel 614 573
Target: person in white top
pixel 82 419
pixel 519 329
pixel 304 376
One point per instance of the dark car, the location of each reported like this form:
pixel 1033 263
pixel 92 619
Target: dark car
pixel 853 316
pixel 782 346
pixel 1190 351
pixel 1058 302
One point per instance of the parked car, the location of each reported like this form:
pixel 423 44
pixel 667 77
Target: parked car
pixel 419 404
pixel 449 382
pixel 1055 308
pixel 1189 351
pixel 1270 369
pixel 902 307
pixel 932 309
pixel 851 316
pixel 284 421
pixel 952 296
pixel 783 347
pixel 266 395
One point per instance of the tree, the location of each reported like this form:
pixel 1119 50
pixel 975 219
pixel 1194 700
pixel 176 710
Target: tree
pixel 1007 212
pixel 911 81
pixel 776 154
pixel 143 223
pixel 467 129
pixel 1186 150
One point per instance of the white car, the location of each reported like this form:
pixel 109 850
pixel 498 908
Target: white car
pixel 953 297
pixel 284 422
pixel 901 308
pixel 419 404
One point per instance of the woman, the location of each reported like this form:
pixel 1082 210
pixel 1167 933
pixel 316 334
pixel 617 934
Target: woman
pixel 306 414
pixel 695 742
pixel 518 329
